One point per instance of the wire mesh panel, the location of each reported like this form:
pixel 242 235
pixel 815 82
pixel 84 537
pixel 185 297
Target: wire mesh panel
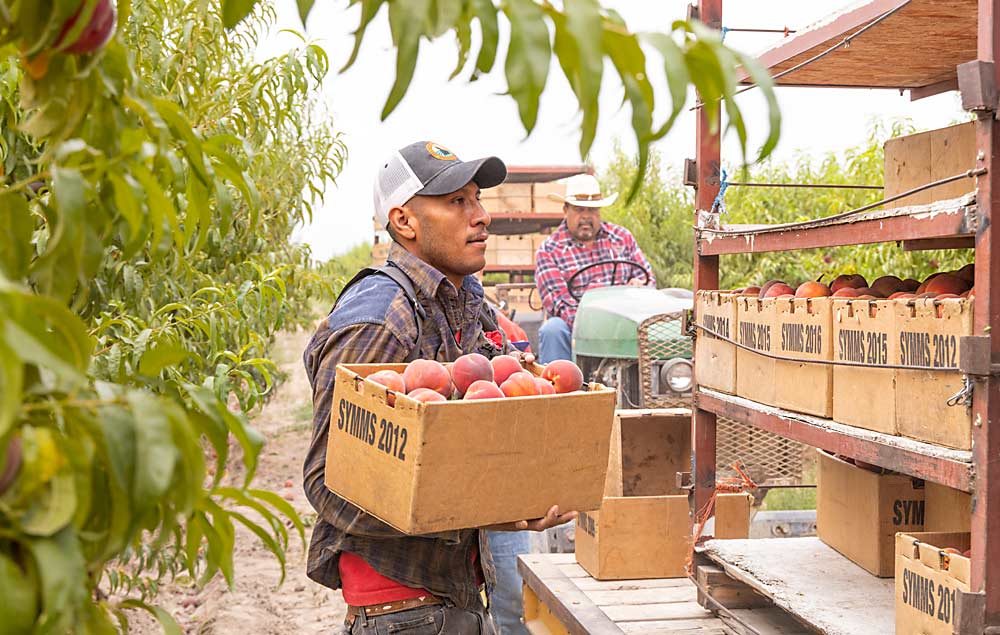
pixel 767 457
pixel 662 338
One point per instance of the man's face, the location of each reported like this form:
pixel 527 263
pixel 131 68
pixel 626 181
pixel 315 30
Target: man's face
pixel 451 231
pixel 583 222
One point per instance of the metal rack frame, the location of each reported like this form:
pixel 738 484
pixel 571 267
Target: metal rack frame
pixel 975 471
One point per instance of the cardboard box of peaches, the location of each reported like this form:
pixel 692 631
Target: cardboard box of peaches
pixel 429 447
pixel 893 322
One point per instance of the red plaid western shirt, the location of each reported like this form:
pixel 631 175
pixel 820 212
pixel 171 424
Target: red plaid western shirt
pixel 560 256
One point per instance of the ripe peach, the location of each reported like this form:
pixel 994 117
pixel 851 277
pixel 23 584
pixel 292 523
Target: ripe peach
pixel 427 373
pixel 846 292
pixel 812 290
pixel 564 375
pixel 390 379
pixel 776 290
pixel 520 384
pixel 482 389
pixel 947 283
pixel 504 366
pixel 867 296
pixel 910 285
pixel 927 280
pixel 544 386
pixel 767 285
pixel 967 553
pixel 848 280
pixel 947 296
pixel 952 550
pixel 754 291
pixel 901 295
pixel 967 273
pixel 99 29
pixel 927 295
pixel 470 368
pixel 886 286
pixel 426 394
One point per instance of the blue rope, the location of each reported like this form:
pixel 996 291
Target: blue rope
pixel 725 31
pixel 720 203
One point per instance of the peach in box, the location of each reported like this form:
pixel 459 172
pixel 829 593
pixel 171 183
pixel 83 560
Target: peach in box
pixel 544 386
pixel 468 369
pixel 504 366
pixel 520 384
pixel 482 389
pixel 426 373
pixel 564 375
pixel 426 395
pixel 510 459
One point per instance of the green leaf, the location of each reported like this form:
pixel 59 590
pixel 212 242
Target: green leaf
pixel 175 118
pixel 528 56
pixel 169 624
pixel 269 542
pixel 406 21
pixel 233 11
pixel 369 9
pixel 163 354
pixel 60 566
pixel 127 202
pixel 53 509
pixel 444 15
pixel 677 77
pixel 11 383
pixel 463 34
pixel 16 248
pixel 155 453
pixel 160 207
pixel 282 506
pixel 305 6
pixel 222 527
pixel 584 25
pixel 759 75
pixel 487 15
pixel 18 602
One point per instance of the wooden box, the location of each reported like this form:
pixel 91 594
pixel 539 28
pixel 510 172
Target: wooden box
pixel 925 157
pixel 863 333
pixel 715 359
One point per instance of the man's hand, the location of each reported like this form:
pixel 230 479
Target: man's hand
pixel 552 519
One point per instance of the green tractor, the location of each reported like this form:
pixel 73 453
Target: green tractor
pixel 633 338
pixel 628 337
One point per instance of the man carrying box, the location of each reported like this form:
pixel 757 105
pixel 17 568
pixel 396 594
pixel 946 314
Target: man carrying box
pixel 582 241
pixel 428 200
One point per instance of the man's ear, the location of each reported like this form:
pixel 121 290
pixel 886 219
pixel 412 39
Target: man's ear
pixel 402 220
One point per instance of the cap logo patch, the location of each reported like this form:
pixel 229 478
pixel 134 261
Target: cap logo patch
pixel 440 152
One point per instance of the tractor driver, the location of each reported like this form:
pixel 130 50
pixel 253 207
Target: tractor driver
pixel 581 240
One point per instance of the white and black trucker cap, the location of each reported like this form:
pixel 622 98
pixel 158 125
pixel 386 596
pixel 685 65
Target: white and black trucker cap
pixel 429 169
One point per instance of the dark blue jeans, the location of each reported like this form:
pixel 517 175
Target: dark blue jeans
pixel 427 620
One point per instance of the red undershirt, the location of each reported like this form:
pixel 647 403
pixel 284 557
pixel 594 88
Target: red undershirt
pixel 364 586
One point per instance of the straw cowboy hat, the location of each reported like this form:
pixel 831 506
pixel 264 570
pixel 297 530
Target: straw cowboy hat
pixel 585 191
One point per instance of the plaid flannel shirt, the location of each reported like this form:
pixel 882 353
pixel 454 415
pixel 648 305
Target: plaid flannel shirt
pixel 560 256
pixel 374 323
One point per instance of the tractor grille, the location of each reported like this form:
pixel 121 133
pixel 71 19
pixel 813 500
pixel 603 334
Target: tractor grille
pixel 767 457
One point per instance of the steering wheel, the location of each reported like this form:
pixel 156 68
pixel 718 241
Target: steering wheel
pixel 576 291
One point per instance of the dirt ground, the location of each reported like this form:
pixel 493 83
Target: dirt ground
pixel 257 605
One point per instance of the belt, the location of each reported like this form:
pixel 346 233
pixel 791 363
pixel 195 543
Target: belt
pixel 354 612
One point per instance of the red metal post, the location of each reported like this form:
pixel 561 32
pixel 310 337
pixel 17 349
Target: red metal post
pixel 986 398
pixel 706 272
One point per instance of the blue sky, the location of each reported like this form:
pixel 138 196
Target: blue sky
pixel 475 119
